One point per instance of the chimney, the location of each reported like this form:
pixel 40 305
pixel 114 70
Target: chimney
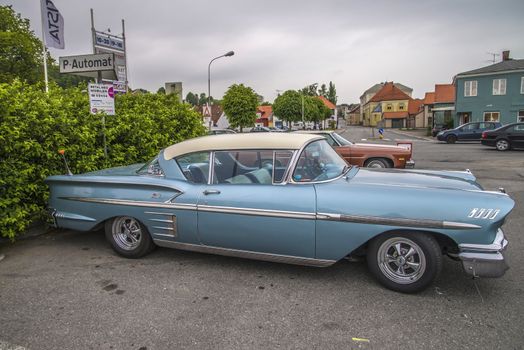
pixel 505 55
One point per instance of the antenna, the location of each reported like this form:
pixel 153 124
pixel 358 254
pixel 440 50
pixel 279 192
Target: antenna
pixel 495 55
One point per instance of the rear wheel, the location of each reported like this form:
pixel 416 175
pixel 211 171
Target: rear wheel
pixel 503 145
pixel 405 262
pixel 377 163
pixel 451 139
pixel 128 237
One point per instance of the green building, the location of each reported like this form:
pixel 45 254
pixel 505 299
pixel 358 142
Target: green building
pixel 492 93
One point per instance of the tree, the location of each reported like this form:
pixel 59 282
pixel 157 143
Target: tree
pixel 265 103
pixel 20 49
pixel 310 90
pixel 161 90
pixel 288 106
pixel 317 110
pixel 240 105
pixel 332 93
pixel 192 99
pixel 323 90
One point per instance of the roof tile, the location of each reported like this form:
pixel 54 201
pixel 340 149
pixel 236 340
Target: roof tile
pixel 389 92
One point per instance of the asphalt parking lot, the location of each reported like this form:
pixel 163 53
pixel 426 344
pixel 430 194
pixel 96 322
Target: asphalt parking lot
pixel 69 290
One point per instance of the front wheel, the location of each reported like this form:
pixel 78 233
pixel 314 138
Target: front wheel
pixel 377 163
pixel 451 139
pixel 405 262
pixel 128 237
pixel 503 145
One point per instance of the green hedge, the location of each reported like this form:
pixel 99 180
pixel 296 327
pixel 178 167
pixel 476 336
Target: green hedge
pixel 35 125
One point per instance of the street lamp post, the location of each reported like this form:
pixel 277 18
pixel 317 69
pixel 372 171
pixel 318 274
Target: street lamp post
pixel 228 54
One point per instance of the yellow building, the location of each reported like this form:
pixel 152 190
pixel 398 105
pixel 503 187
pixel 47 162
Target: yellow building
pixel 388 108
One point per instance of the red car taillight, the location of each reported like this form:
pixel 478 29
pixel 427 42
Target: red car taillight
pixel 484 135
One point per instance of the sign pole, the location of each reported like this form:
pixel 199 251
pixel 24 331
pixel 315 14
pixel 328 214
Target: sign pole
pixel 44 52
pixel 125 53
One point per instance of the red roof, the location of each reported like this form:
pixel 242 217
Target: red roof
pixel 327 102
pixel 444 93
pixel 429 99
pixel 265 111
pixel 414 106
pixel 395 115
pixel 389 92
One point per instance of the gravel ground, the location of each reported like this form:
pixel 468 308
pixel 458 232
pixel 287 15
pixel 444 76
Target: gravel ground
pixel 68 290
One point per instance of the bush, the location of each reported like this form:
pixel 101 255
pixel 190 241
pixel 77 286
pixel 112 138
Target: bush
pixel 34 125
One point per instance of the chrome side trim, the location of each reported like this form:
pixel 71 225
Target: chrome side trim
pixel 71 216
pixel 162 220
pixel 162 234
pixel 182 206
pixel 376 220
pixel 164 228
pixel 257 212
pixel 296 260
pixel 158 213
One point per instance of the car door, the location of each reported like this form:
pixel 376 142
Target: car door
pixel 516 135
pixel 247 208
pixel 470 132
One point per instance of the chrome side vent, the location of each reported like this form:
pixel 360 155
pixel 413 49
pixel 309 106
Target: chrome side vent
pixel 482 213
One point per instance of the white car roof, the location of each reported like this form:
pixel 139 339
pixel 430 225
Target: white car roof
pixel 240 141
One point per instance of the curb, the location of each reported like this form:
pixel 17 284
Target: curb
pixel 411 135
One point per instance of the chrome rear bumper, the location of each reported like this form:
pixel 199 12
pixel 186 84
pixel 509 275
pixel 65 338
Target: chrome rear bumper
pixel 485 260
pixel 410 164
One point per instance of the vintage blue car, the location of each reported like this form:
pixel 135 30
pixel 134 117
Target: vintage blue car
pixel 290 198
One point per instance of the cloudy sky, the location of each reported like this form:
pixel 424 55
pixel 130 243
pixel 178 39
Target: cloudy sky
pixel 282 45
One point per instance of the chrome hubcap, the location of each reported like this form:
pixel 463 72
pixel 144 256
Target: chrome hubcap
pixel 502 145
pixel 126 232
pixel 376 165
pixel 401 260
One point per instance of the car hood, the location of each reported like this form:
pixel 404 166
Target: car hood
pixel 463 180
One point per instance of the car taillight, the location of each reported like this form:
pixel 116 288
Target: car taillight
pixel 484 135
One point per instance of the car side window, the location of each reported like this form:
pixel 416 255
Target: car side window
pixel 330 140
pixel 470 127
pixel 195 166
pixel 250 166
pixel 486 126
pixel 518 128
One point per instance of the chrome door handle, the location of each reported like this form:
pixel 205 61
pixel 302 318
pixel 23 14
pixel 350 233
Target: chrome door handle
pixel 206 192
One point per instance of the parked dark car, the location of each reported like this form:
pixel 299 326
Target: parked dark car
pixel 505 138
pixel 259 128
pixel 221 131
pixel 467 132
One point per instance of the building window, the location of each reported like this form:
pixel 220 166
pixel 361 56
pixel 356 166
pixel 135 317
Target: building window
pixel 499 86
pixel 520 117
pixel 522 85
pixel 470 88
pixel 401 106
pixel 491 116
pixel 389 107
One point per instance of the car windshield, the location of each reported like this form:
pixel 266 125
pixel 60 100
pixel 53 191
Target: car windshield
pixel 341 140
pixel 319 162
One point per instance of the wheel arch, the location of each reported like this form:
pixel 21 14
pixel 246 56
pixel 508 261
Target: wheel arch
pixel 446 243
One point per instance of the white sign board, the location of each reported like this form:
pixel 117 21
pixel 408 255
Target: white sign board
pixel 87 63
pixel 109 41
pixel 101 98
pixel 119 86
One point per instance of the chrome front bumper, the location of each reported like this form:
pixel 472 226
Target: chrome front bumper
pixel 485 260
